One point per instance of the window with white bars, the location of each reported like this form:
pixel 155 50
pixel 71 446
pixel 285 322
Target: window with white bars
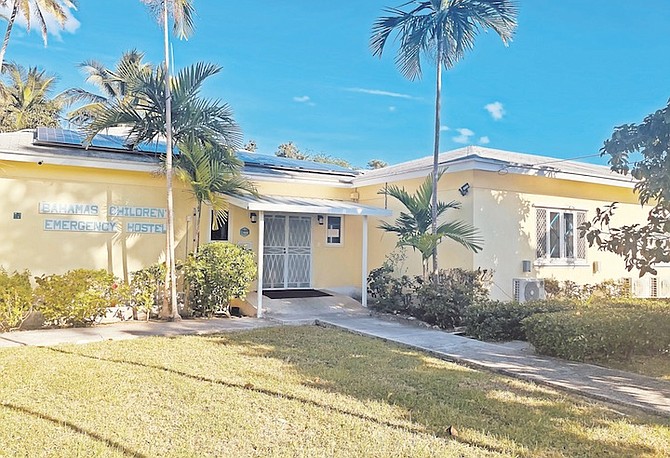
pixel 558 235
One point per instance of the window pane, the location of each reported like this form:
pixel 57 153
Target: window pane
pixel 569 235
pixel 555 235
pixel 334 230
pixel 221 233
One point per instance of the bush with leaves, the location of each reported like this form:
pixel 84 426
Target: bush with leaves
pixel 391 290
pixel 79 296
pixel 445 304
pixel 571 291
pixel 599 334
pixel 219 272
pixel 499 321
pixel 16 298
pixel 146 288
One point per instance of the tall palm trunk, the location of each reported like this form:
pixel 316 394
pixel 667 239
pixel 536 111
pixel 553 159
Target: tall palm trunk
pixel 436 156
pixel 10 24
pixel 171 265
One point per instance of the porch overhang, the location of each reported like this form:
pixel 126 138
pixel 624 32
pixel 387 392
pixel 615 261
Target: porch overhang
pixel 305 205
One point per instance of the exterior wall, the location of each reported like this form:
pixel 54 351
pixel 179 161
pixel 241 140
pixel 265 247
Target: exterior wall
pixel 504 210
pixel 450 253
pixel 27 245
pixel 501 206
pixel 333 267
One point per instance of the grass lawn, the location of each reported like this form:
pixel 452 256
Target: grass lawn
pixel 652 366
pixel 293 392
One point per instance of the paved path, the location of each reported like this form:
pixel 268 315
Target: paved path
pixel 128 330
pixel 649 394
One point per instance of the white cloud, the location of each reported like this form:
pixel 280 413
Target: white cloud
pixel 301 99
pixel 444 128
pixel 392 109
pixel 484 140
pixel 379 92
pixel 496 110
pixel 464 135
pixel 53 27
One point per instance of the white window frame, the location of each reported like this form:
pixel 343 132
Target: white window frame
pixel 561 260
pixel 341 242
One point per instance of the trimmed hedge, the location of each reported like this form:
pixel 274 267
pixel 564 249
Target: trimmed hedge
pixel 600 333
pixel 495 320
pixel 78 297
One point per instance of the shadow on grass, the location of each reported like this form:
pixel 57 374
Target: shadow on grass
pixel 246 387
pixel 436 396
pixel 491 412
pixel 78 429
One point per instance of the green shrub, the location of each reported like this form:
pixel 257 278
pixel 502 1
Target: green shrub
pixel 390 293
pixel 219 272
pixel 495 320
pixel 569 290
pixel 445 304
pixel 146 288
pixel 79 296
pixel 599 334
pixel 16 298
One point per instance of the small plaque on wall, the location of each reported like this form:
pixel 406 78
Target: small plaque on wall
pixel 244 232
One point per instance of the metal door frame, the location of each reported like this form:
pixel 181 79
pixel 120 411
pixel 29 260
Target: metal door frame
pixel 286 239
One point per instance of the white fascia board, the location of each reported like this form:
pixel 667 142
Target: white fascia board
pixel 492 165
pixel 48 159
pixel 353 210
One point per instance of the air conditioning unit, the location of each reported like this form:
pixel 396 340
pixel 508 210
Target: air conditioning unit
pixel 528 289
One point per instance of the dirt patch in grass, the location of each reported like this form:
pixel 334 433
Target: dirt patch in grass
pixel 294 392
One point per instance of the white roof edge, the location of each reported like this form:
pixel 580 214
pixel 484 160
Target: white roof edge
pixel 476 162
pixel 308 205
pixel 96 163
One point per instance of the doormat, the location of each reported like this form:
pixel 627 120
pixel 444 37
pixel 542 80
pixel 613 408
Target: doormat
pixel 293 293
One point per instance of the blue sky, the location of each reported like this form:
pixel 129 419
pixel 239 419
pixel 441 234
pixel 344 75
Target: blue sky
pixel 301 71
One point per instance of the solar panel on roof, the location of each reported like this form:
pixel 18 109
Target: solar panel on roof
pixel 264 160
pixel 55 136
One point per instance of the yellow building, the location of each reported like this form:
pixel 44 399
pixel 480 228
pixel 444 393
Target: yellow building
pixel 314 225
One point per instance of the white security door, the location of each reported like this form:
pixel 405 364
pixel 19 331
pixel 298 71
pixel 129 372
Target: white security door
pixel 287 251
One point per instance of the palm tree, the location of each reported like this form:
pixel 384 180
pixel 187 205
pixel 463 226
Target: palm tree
pixel 442 30
pixel 210 170
pixel 112 84
pixel 182 12
pixel 25 98
pixel 40 8
pixel 413 226
pixel 147 112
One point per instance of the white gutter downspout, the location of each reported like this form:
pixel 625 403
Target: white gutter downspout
pixel 364 266
pixel 259 283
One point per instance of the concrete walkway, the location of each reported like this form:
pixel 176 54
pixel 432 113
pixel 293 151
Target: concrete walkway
pixel 128 330
pixel 646 393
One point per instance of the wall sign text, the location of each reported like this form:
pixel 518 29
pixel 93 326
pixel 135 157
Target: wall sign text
pixel 55 208
pixel 68 225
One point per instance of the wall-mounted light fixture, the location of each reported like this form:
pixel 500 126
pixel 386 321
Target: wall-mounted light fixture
pixel 319 219
pixel 464 189
pixel 253 217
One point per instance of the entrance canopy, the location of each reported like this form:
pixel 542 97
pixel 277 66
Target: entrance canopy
pixel 305 205
pixel 302 205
